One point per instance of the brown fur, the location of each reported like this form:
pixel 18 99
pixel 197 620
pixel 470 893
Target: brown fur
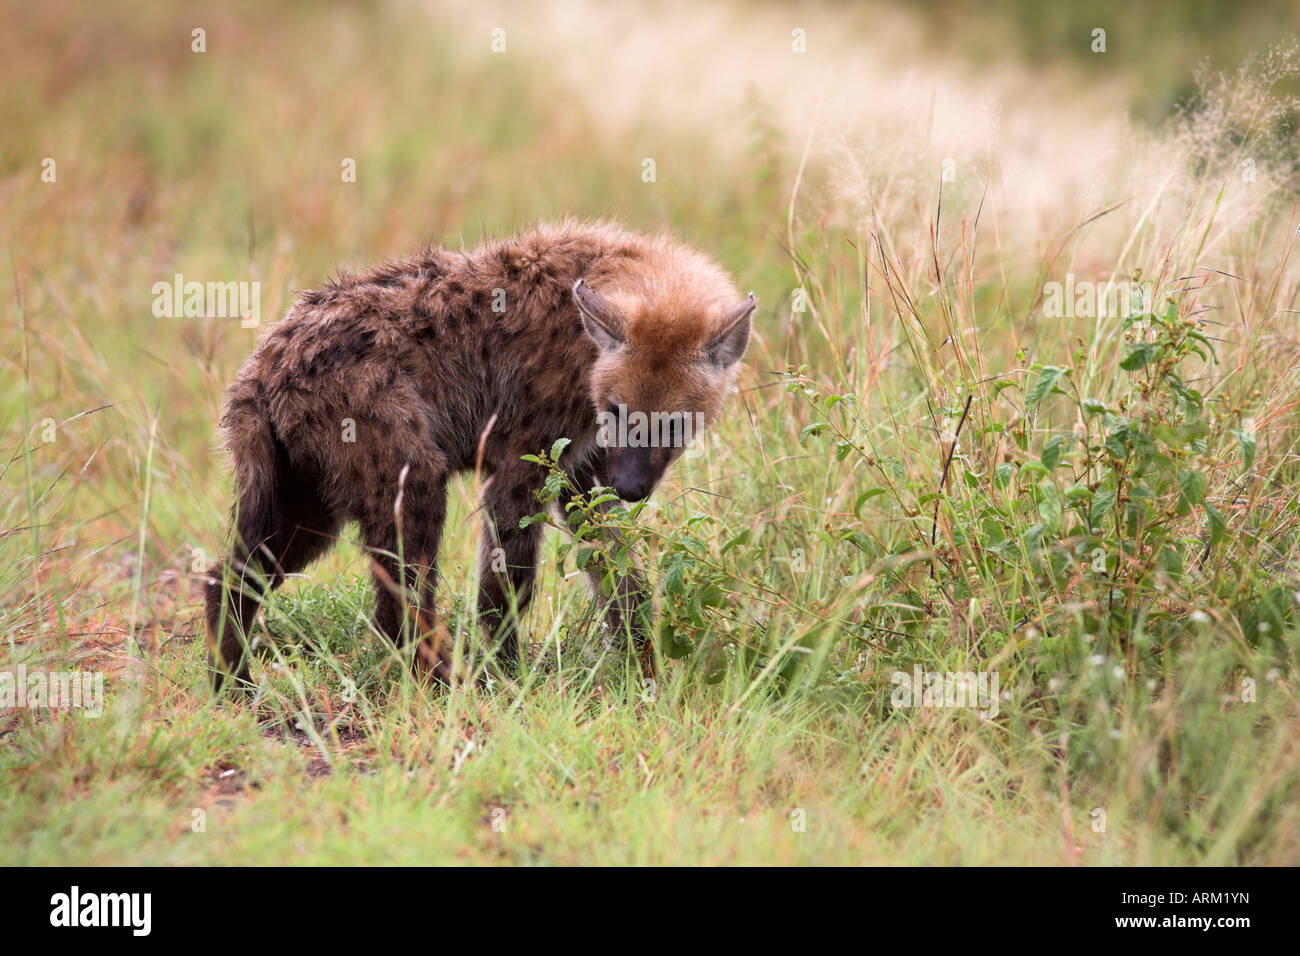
pixel 414 355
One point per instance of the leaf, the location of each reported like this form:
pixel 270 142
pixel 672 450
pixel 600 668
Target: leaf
pixel 1275 610
pixel 1093 406
pixel 1033 537
pixel 1078 492
pixel 1190 401
pixel 1199 337
pixel 816 428
pixel 557 448
pixel 1047 380
pixel 1191 487
pixel 1218 526
pixel 1102 502
pixel 674 644
pixel 858 538
pixel 675 577
pixel 1052 452
pixel 1002 475
pixel 864 498
pixel 736 542
pixel 1143 353
pixel 1117 441
pixel 992 532
pixel 1269 618
pixel 1248 443
pixel 1049 504
pixel 1169 561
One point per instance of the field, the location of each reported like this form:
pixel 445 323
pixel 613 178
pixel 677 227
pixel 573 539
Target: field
pixel 1021 404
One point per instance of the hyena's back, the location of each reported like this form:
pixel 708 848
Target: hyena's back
pixel 414 355
pixel 334 398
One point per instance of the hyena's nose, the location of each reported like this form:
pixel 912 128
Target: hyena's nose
pixel 635 473
pixel 633 489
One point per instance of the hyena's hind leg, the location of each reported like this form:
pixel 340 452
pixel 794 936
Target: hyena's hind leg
pixel 623 596
pixel 405 564
pixel 279 528
pixel 507 559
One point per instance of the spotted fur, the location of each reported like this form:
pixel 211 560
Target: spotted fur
pixel 412 363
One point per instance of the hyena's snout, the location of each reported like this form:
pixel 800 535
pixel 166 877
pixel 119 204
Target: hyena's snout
pixel 635 471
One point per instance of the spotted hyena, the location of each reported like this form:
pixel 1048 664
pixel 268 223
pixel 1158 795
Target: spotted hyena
pixel 373 392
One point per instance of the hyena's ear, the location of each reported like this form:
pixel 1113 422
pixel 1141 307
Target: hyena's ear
pixel 726 348
pixel 600 319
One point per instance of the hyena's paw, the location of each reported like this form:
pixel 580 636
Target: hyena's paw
pixel 434 660
pixel 225 683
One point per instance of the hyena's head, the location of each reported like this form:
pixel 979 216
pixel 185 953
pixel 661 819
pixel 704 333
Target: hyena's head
pixel 662 371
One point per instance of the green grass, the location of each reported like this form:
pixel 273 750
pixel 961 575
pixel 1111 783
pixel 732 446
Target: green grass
pixel 1114 533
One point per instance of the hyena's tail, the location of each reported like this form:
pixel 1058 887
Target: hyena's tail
pixel 236 584
pixel 278 525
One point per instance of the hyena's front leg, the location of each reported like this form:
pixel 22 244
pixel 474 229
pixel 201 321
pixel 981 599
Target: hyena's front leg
pixel 507 558
pixel 624 595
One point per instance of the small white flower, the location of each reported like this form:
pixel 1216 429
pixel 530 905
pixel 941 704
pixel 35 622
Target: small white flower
pixel 1118 672
pixel 1097 660
pixel 1200 617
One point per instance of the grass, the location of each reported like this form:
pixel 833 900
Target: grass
pixel 925 467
